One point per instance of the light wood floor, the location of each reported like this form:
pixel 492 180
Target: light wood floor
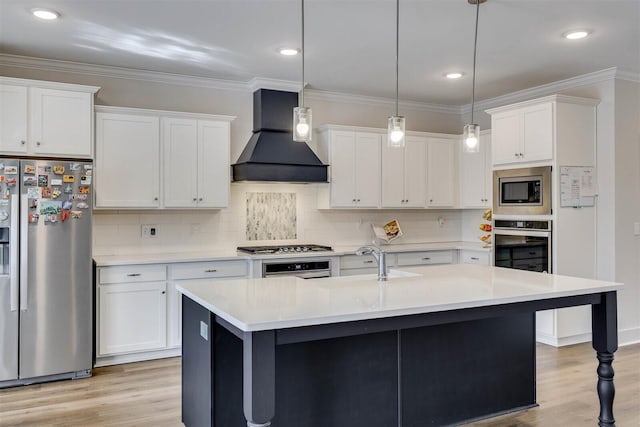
pixel 148 394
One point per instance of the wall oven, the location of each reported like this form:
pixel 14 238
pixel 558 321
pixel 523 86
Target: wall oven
pixel 523 191
pixel 523 245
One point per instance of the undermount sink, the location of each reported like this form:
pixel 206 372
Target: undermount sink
pixel 391 274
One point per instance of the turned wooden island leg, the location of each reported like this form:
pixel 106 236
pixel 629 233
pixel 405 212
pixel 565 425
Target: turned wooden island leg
pixel 605 342
pixel 259 378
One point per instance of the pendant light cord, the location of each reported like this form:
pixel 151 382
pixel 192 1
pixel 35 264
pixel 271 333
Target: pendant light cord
pixel 475 48
pixel 302 91
pixel 397 48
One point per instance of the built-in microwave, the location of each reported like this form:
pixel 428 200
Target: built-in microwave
pixel 522 191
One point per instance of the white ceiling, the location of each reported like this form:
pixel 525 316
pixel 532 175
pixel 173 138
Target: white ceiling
pixel 349 44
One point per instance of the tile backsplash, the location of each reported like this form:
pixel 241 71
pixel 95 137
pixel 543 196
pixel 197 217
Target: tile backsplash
pixel 119 232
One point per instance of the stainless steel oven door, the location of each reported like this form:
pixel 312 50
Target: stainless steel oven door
pixel 522 249
pixel 305 270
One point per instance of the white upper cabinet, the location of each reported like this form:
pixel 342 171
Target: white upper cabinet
pixel 196 163
pixel 523 134
pixel 476 180
pixel 46 119
pixel 354 158
pixel 442 172
pixel 13 119
pixel 404 174
pixel 127 161
pixel 161 159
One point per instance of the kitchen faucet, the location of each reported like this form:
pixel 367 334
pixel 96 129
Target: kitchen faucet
pixel 381 258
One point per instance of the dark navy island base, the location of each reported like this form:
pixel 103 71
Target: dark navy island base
pixel 432 369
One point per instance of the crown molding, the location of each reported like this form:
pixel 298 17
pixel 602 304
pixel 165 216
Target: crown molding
pixel 118 72
pixel 318 95
pixel 607 74
pixel 274 84
pixel 628 76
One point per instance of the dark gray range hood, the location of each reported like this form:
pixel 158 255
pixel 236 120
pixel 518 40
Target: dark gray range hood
pixel 271 153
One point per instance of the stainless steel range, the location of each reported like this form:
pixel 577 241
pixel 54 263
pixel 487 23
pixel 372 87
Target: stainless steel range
pixel 304 261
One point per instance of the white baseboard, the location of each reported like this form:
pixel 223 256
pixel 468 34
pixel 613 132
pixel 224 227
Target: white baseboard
pixel 625 337
pixel 562 341
pixel 137 357
pixel 629 336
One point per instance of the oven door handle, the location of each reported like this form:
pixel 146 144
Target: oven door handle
pixel 314 275
pixel 514 232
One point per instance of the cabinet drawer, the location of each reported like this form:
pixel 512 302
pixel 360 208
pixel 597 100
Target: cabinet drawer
pixel 539 264
pixel 357 261
pixel 205 270
pixel 426 258
pixel 132 273
pixel 529 252
pixel 471 257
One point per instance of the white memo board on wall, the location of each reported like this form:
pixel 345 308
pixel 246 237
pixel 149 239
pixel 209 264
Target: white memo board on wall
pixel 578 186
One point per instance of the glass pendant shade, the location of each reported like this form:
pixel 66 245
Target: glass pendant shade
pixel 395 132
pixel 471 138
pixel 302 124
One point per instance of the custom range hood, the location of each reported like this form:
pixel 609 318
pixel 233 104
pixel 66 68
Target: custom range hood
pixel 271 154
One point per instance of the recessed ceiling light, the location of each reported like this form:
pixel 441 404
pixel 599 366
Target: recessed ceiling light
pixel 453 75
pixel 47 14
pixel 288 51
pixel 576 34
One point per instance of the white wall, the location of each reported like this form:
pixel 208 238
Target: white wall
pixel 627 206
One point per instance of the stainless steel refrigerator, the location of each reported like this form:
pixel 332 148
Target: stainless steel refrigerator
pixel 46 312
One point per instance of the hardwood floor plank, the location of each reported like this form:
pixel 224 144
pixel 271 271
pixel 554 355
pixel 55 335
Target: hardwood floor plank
pixel 148 394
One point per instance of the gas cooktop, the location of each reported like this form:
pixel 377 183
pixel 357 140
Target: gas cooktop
pixel 284 249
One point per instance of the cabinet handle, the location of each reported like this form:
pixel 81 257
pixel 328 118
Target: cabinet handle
pixel 368 262
pixel 475 258
pixel 211 271
pixel 133 274
pixel 23 142
pixel 426 259
pixel 532 253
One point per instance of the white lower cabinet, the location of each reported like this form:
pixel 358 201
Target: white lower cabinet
pixel 474 257
pixel 139 310
pixel 132 317
pixel 426 258
pixel 183 272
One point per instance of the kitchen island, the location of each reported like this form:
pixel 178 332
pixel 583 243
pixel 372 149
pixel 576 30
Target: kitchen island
pixel 432 346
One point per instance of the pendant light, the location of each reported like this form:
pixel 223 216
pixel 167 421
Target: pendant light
pixel 471 133
pixel 396 124
pixel 302 123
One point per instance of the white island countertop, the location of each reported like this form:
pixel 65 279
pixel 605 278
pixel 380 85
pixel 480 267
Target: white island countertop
pixel 286 302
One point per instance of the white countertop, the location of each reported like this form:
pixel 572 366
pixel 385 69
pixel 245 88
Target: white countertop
pixel 285 302
pixel 231 253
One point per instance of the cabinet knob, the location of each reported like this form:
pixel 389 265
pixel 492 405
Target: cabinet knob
pixel 38 143
pixel 521 155
pixel 155 199
pixel 353 200
pixel 164 292
pixel 23 142
pixel 194 199
pixel 200 199
pixel 430 200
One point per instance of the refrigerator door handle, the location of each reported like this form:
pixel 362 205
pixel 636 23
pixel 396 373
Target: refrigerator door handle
pixel 13 253
pixel 24 239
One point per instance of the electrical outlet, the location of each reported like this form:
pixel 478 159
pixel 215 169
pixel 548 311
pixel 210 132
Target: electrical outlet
pixel 204 330
pixel 149 231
